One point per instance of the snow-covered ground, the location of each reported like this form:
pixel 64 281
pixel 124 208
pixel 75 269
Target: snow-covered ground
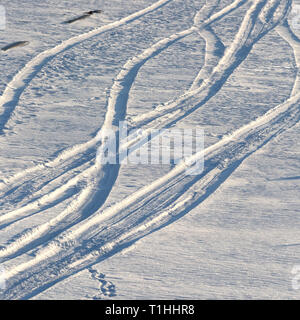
pixel 71 228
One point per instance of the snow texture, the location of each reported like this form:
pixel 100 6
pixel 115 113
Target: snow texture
pixel 74 227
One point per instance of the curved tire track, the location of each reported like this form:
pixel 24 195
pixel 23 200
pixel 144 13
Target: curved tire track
pixel 173 195
pixel 148 209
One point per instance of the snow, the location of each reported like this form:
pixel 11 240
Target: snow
pixel 74 228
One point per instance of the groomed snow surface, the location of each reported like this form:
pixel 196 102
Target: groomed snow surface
pixel 73 228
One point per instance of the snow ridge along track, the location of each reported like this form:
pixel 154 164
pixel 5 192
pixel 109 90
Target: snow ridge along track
pixel 175 194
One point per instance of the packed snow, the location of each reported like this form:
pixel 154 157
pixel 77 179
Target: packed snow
pixel 75 227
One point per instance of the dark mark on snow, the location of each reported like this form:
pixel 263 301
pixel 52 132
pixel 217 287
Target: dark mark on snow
pixel 84 16
pixel 15 45
pixel 93 11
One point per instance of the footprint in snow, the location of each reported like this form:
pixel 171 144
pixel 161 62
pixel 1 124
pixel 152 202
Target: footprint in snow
pixel 106 288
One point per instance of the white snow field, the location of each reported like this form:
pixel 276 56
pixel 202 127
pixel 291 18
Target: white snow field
pixel 72 227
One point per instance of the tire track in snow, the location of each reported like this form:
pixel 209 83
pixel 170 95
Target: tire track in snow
pixel 77 149
pixel 15 88
pixel 214 47
pixel 88 200
pixel 99 179
pixel 250 32
pixel 271 117
pixel 70 153
pixel 9 98
pixel 21 80
pixel 132 66
pixel 139 214
pixel 288 35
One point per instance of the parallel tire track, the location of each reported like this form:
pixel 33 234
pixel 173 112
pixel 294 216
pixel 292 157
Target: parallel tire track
pixel 92 196
pixel 167 198
pixel 148 209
